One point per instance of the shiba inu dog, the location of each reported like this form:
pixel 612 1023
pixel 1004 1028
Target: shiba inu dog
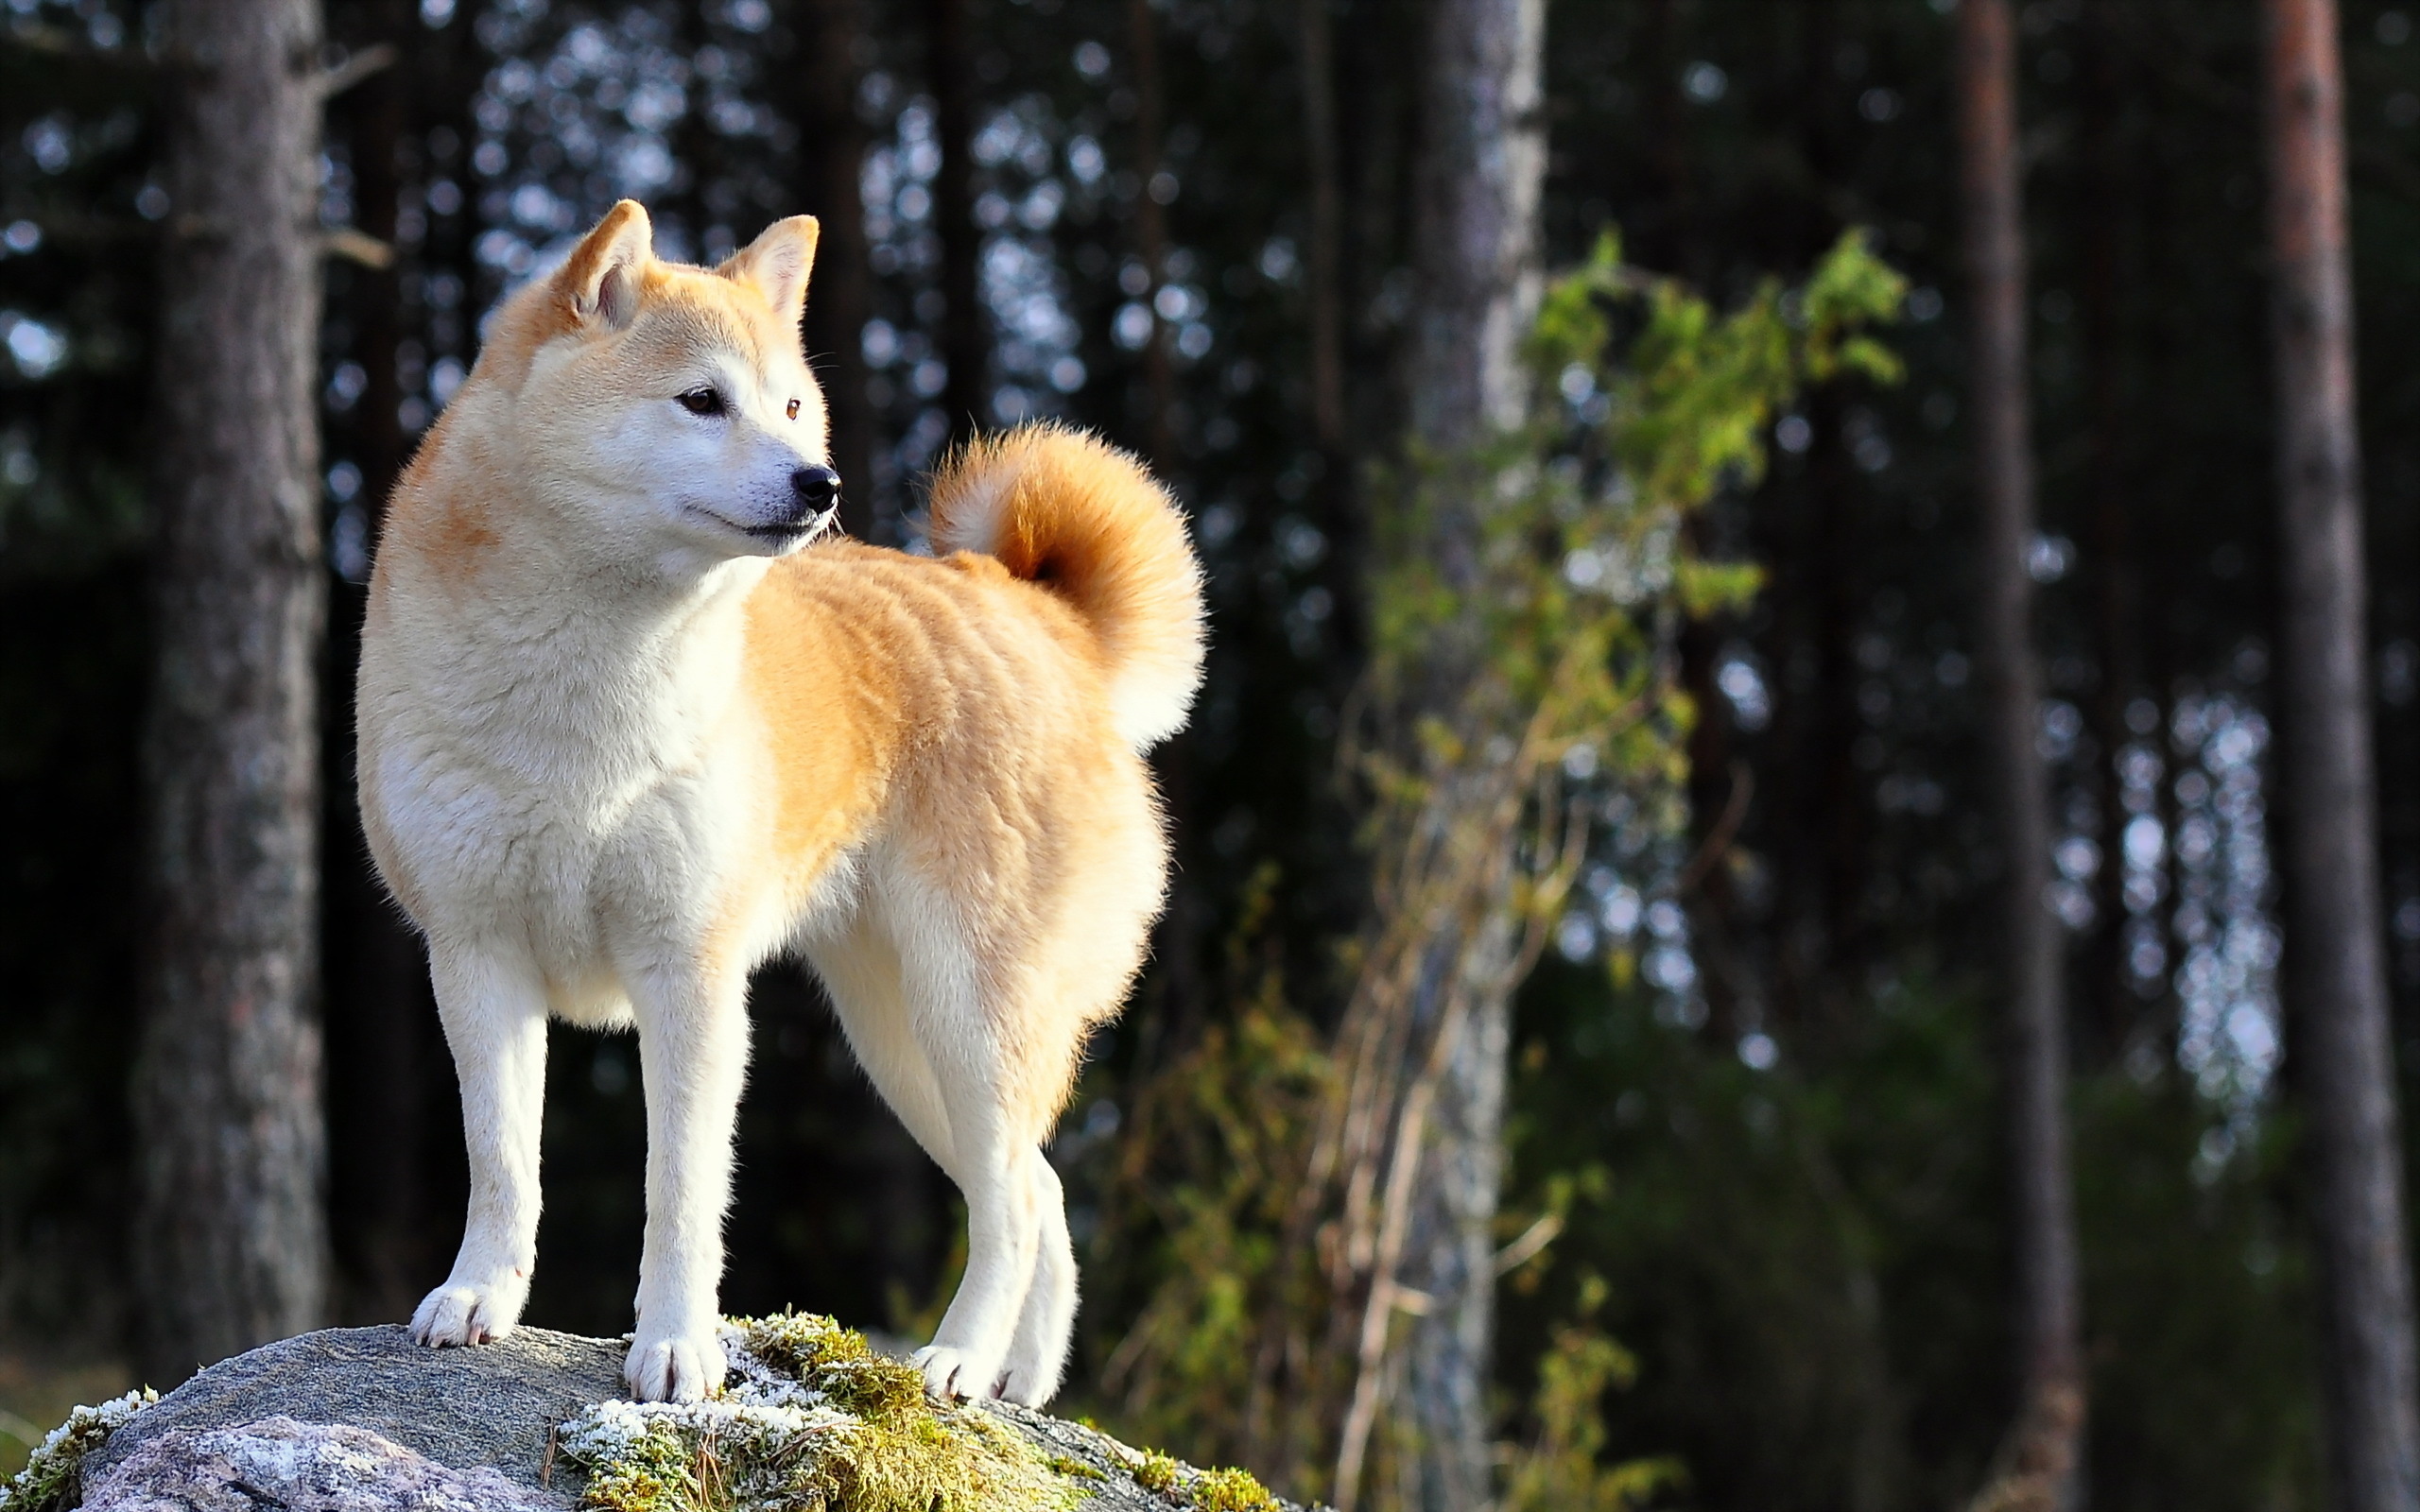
pixel 629 728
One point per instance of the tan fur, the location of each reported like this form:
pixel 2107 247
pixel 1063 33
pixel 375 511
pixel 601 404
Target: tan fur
pixel 615 750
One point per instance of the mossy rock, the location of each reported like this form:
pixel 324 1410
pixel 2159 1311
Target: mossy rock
pixel 812 1421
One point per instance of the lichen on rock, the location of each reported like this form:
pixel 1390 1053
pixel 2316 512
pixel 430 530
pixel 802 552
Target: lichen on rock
pixel 53 1477
pixel 810 1418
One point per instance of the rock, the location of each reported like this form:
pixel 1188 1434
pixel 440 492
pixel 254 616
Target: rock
pixel 304 1467
pixel 364 1420
pixel 494 1407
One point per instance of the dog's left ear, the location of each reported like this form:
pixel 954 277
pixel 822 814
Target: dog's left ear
pixel 776 263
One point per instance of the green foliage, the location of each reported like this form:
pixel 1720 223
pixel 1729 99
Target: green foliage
pixel 1561 1469
pixel 1695 391
pixel 1578 558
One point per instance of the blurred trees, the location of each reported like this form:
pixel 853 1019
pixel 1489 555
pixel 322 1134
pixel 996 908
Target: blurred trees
pixel 231 1231
pixel 2335 957
pixel 1750 1124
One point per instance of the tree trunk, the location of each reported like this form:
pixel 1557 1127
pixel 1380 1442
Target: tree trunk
pixel 840 298
pixel 2335 963
pixel 1478 278
pixel 2038 1464
pixel 230 1235
pixel 1476 213
pixel 965 338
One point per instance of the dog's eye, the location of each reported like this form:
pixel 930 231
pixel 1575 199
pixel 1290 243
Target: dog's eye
pixel 793 409
pixel 703 401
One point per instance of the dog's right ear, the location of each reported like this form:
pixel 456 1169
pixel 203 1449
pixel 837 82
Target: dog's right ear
pixel 601 281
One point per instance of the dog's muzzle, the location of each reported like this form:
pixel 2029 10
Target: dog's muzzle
pixel 815 498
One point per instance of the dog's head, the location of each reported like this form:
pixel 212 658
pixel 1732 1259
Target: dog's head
pixel 664 415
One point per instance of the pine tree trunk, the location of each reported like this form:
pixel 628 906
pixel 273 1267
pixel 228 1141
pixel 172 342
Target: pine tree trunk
pixel 231 1238
pixel 2038 1464
pixel 2335 958
pixel 1478 275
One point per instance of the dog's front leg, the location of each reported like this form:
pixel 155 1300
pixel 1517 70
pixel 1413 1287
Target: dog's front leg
pixel 494 1012
pixel 693 1053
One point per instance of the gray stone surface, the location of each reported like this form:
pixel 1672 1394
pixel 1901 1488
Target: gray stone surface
pixel 298 1468
pixel 495 1405
pixel 364 1420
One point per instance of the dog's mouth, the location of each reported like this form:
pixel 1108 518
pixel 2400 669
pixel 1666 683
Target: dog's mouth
pixel 780 534
pixel 806 529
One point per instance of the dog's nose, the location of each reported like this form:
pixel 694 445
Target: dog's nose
pixel 816 486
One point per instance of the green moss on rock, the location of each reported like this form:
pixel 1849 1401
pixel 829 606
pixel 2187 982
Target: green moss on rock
pixel 1156 1472
pixel 1232 1490
pixel 811 1420
pixel 1227 1490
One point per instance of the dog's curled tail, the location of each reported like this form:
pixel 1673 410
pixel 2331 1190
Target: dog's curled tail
pixel 1069 511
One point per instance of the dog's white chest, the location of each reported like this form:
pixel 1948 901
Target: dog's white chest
pixel 559 791
pixel 534 858
pixel 579 845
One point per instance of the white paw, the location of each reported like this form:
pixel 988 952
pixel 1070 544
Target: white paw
pixel 674 1364
pixel 1029 1383
pixel 474 1312
pixel 950 1372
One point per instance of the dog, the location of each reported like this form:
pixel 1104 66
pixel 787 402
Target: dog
pixel 633 720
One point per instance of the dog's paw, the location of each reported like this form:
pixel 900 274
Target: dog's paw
pixel 951 1373
pixel 1029 1383
pixel 674 1366
pixel 458 1314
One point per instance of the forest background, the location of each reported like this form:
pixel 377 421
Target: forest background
pixel 1755 1202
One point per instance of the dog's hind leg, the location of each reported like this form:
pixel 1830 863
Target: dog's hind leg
pixel 1003 1234
pixel 693 1056
pixel 1038 1353
pixel 972 1071
pixel 494 1013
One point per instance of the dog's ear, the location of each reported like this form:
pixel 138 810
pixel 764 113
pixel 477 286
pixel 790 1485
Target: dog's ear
pixel 600 281
pixel 776 263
